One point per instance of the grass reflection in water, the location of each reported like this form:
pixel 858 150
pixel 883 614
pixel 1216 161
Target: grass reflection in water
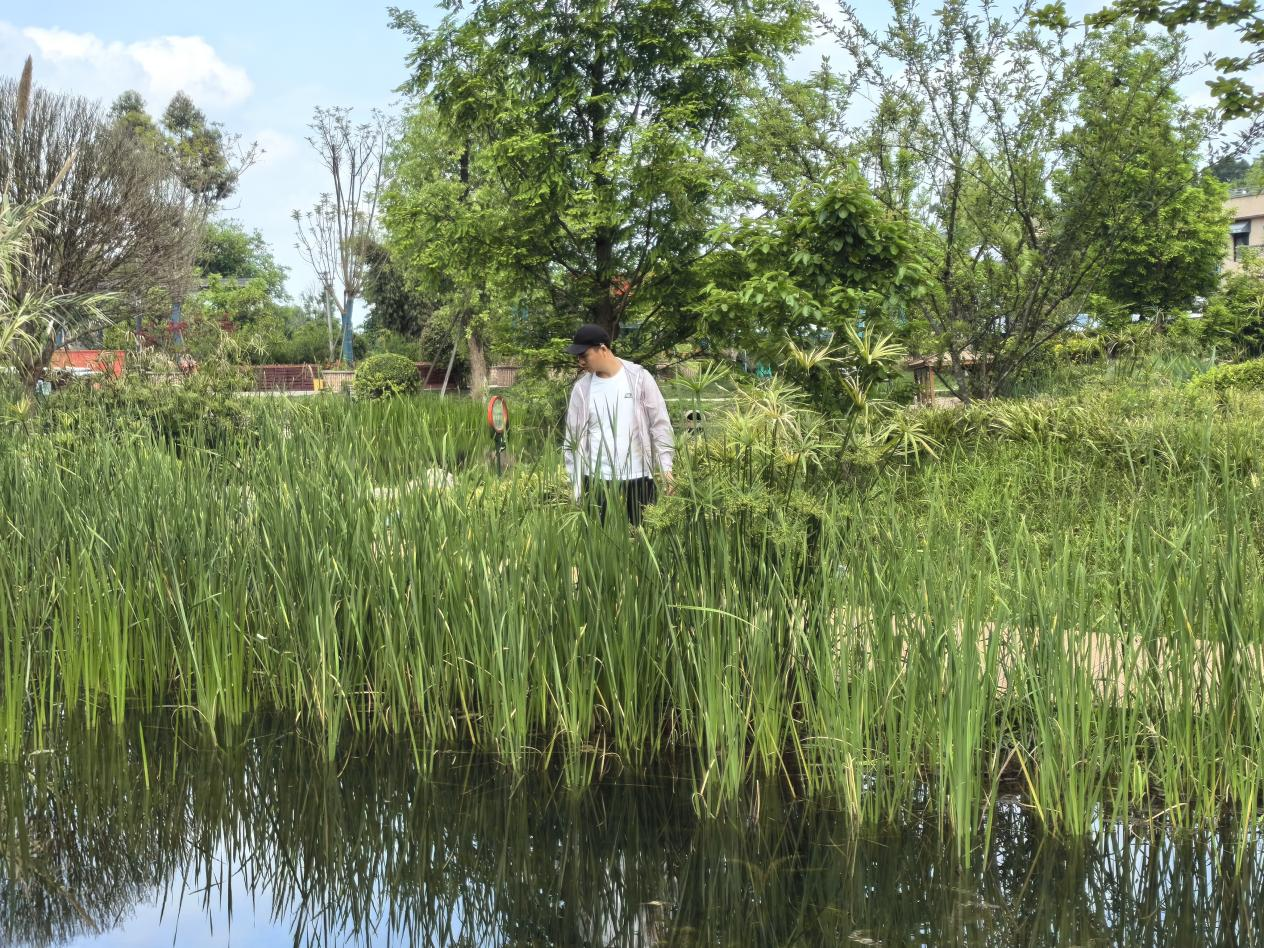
pixel 366 850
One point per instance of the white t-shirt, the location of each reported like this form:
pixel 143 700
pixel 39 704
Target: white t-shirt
pixel 613 454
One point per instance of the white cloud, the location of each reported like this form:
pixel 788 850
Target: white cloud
pixel 274 147
pixel 157 67
pixel 59 45
pixel 189 63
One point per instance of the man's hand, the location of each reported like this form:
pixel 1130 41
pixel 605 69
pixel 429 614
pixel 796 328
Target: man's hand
pixel 669 482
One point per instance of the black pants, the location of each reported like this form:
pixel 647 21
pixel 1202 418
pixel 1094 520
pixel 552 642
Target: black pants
pixel 636 494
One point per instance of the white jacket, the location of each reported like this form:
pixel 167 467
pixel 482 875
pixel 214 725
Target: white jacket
pixel 651 427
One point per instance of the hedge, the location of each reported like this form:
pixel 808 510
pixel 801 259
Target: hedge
pixel 385 375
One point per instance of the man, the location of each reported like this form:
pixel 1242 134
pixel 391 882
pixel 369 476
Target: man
pixel 618 433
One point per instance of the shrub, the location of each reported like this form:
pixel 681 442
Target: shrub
pixel 1240 376
pixel 540 393
pixel 153 397
pixel 385 375
pixel 538 404
pixel 1079 348
pixel 1235 315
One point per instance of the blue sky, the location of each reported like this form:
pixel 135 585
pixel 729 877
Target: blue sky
pixel 258 68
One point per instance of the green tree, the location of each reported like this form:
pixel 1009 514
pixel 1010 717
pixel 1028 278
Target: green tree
pixel 1158 256
pixel 598 139
pixel 229 251
pixel 308 336
pixel 1235 97
pixel 1031 170
pixel 128 112
pixel 835 257
pixel 396 306
pixel 241 290
pixel 792 134
pixel 441 207
pixel 199 151
pixel 235 304
pixel 1230 169
pixel 816 288
pixel 207 163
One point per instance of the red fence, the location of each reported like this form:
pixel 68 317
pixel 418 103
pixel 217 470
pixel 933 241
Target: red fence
pixel 299 378
pixel 432 375
pixel 284 378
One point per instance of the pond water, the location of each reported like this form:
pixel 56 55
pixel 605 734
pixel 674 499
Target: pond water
pixel 156 837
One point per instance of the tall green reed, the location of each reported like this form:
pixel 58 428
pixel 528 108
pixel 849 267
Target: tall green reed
pixel 1029 615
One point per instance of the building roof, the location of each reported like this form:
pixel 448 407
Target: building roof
pixel 87 361
pixel 1246 202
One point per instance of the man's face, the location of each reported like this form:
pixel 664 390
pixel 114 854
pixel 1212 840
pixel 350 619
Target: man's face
pixel 586 359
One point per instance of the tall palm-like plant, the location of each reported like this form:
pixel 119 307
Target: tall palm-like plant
pixel 707 376
pixel 30 312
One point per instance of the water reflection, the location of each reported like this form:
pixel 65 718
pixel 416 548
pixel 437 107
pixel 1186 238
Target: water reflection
pixel 153 837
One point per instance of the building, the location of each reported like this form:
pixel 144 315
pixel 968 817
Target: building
pixel 925 367
pixel 85 363
pixel 1246 233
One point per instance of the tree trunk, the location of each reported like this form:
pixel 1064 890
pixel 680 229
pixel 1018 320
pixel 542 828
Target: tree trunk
pixel 963 392
pixel 177 314
pixel 478 365
pixel 478 351
pixel 329 324
pixel 602 310
pixel 35 366
pixel 447 376
pixel 348 352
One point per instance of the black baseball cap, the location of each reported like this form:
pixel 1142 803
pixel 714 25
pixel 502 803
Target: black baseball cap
pixel 587 336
